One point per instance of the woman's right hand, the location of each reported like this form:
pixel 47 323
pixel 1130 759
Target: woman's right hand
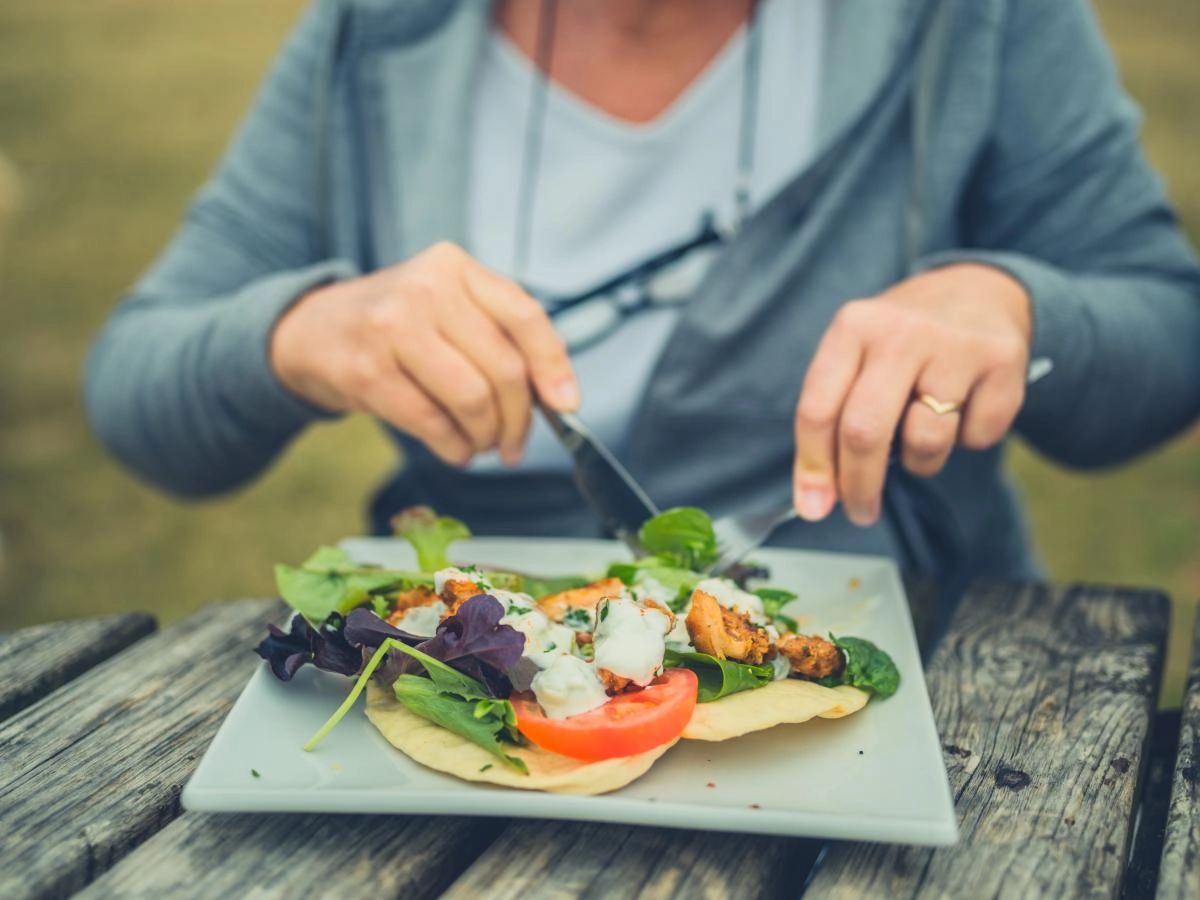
pixel 439 346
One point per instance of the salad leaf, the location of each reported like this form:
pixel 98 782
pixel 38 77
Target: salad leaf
pixel 719 677
pixel 474 642
pixel 326 648
pixel 430 535
pixel 682 537
pixel 329 582
pixel 471 641
pixel 867 667
pixel 481 721
pixel 774 600
pixel 446 697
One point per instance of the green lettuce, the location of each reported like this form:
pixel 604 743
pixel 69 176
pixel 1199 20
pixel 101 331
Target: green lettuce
pixel 329 582
pixel 682 537
pixel 719 677
pixel 867 667
pixel 430 535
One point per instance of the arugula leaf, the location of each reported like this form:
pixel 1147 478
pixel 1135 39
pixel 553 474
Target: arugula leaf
pixel 773 600
pixel 867 667
pixel 481 722
pixel 446 697
pixel 430 535
pixel 329 582
pixel 719 677
pixel 683 537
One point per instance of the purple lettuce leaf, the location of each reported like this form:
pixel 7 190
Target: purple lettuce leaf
pixel 472 641
pixel 326 648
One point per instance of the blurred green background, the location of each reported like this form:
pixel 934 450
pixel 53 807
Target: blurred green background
pixel 113 111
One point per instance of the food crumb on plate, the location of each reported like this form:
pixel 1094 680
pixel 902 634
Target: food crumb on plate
pixel 755 806
pixel 711 784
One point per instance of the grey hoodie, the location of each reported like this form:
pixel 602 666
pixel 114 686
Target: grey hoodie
pixel 992 131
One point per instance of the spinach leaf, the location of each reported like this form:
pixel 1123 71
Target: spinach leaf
pixel 481 721
pixel 867 667
pixel 774 600
pixel 683 537
pixel 719 677
pixel 329 582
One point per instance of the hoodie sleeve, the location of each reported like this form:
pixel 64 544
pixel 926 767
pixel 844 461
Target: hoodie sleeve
pixel 1064 202
pixel 178 384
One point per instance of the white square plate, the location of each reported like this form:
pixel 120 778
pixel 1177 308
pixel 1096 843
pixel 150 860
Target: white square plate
pixel 877 775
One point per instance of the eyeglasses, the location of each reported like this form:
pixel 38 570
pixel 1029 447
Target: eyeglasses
pixel 666 279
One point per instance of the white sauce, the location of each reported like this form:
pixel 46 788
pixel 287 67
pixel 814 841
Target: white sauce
pixel 441 576
pixel 423 620
pixel 629 640
pixel 545 641
pixel 567 687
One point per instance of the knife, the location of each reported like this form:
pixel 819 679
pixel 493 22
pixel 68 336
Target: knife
pixel 612 493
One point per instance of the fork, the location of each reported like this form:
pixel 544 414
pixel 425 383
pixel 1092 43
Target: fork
pixel 737 535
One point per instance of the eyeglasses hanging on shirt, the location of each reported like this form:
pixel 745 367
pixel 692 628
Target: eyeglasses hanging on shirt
pixel 667 278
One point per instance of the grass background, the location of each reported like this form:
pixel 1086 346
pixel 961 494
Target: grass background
pixel 113 111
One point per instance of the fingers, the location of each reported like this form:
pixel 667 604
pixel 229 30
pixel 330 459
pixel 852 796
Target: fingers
pixel 529 328
pixel 400 401
pixel 830 377
pixel 868 427
pixel 931 431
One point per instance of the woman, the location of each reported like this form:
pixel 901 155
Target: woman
pixel 802 248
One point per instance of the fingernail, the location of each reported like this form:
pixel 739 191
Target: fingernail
pixel 863 516
pixel 566 395
pixel 812 503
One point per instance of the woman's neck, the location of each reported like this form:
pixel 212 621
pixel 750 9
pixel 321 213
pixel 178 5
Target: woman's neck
pixel 630 58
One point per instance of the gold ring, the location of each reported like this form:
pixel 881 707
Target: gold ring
pixel 939 407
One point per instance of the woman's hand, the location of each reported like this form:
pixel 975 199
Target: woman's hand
pixel 945 351
pixel 439 346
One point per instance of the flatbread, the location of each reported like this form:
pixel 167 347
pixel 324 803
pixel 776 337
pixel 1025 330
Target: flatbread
pixel 788 700
pixel 435 747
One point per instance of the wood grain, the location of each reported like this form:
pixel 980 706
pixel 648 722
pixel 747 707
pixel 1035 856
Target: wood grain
pixel 1179 876
pixel 93 769
pixel 1044 721
pixel 34 661
pixel 347 857
pixel 537 860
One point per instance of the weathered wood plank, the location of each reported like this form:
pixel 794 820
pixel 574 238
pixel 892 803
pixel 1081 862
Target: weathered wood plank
pixel 347 857
pixel 536 859
pixel 34 661
pixel 1179 876
pixel 1044 699
pixel 96 767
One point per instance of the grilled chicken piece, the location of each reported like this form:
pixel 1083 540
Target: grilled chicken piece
pixel 457 592
pixel 615 684
pixel 406 600
pixel 811 657
pixel 723 633
pixel 557 605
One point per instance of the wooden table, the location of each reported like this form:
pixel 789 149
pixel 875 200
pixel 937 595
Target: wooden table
pixel 1065 780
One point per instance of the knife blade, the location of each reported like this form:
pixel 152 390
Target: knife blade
pixel 611 492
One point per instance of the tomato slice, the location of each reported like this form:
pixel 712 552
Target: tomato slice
pixel 626 725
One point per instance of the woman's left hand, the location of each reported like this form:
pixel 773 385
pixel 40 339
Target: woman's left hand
pixel 946 351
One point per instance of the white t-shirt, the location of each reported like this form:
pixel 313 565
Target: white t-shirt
pixel 610 194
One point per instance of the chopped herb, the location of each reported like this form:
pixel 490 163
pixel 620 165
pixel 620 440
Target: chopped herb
pixel 254 772
pixel 485 767
pixel 515 609
pixel 381 606
pixel 603 610
pixel 549 647
pixel 578 619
